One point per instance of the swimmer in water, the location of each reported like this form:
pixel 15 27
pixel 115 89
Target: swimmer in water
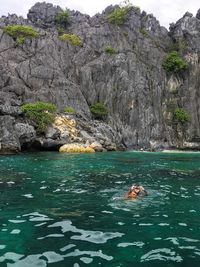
pixel 136 191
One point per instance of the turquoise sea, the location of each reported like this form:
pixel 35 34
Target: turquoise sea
pixel 64 210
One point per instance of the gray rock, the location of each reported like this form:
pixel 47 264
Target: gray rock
pixel 10 110
pixel 97 146
pixel 9 142
pixel 139 94
pixel 52 133
pixel 110 147
pixel 86 136
pixel 26 134
pixel 50 144
pixel 43 14
pixel 198 14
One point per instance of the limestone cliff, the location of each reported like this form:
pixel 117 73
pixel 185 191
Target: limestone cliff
pixel 131 82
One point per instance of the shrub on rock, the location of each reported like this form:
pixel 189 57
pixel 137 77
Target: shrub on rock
pixel 99 111
pixel 181 115
pixel 110 50
pixel 119 15
pixel 63 18
pixel 174 63
pixel 42 114
pixel 21 32
pixel 70 110
pixel 73 39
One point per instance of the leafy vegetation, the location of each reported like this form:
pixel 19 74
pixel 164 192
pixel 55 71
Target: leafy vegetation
pixel 73 39
pixel 119 15
pixel 125 34
pixel 181 115
pixel 21 32
pixel 63 18
pixel 174 63
pixel 99 110
pixel 110 50
pixel 42 114
pixel 70 110
pixel 179 46
pixel 60 30
pixel 144 32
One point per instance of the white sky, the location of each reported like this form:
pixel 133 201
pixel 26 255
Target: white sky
pixel 166 11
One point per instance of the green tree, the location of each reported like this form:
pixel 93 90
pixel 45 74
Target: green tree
pixel 174 63
pixel 110 50
pixel 73 39
pixel 70 110
pixel 42 114
pixel 63 18
pixel 180 115
pixel 119 15
pixel 99 111
pixel 21 32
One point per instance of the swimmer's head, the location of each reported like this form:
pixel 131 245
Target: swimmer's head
pixel 135 189
pixel 134 186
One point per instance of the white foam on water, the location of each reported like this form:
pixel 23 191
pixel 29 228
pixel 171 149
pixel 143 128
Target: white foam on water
pixel 67 247
pixel 92 254
pixel 106 211
pixel 40 224
pixel 11 256
pixel 189 239
pixel 173 240
pixel 139 244
pixel 43 187
pixel 96 237
pixel 51 235
pixel 29 261
pixel 52 256
pixel 86 260
pixel 17 221
pixel 182 224
pixel 57 190
pixel 162 254
pixel 145 224
pixel 121 223
pixel 188 247
pixel 28 195
pixel 15 232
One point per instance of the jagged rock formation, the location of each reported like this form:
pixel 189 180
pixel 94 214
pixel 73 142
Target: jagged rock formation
pixel 131 83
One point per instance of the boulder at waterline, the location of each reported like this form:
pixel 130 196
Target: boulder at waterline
pixel 76 148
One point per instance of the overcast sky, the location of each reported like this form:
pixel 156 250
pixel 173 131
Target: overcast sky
pixel 166 11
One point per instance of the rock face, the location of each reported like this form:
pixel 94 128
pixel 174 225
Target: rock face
pixel 43 15
pixel 26 134
pixel 9 143
pixel 139 94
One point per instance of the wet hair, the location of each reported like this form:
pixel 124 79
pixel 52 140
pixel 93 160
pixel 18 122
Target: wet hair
pixel 134 186
pixel 141 192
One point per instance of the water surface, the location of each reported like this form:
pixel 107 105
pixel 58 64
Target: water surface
pixel 68 210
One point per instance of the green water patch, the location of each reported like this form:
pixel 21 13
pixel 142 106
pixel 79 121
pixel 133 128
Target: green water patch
pixel 69 210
